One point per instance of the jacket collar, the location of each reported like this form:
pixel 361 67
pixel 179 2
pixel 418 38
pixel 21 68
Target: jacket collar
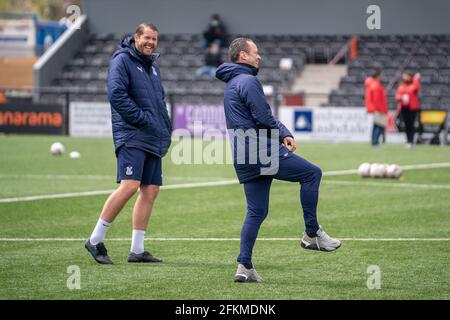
pixel 253 70
pixel 228 70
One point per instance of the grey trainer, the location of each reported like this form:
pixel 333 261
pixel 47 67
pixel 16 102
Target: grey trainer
pixel 246 275
pixel 142 257
pixel 98 252
pixel 322 242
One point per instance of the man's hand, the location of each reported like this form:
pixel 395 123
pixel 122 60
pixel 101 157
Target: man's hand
pixel 289 143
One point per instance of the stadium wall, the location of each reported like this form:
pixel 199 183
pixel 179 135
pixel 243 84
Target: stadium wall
pixel 270 17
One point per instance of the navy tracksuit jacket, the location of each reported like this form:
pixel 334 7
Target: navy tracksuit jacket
pixel 246 108
pixel 138 109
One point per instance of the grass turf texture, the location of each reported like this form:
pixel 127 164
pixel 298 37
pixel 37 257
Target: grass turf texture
pixel 205 269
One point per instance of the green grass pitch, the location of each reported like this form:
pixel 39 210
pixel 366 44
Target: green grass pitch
pixel 355 209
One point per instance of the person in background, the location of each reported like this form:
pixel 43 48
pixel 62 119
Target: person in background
pixel 212 61
pixel 376 104
pixel 215 33
pixel 407 97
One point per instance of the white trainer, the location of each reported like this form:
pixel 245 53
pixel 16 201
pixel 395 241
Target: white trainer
pixel 323 242
pixel 246 275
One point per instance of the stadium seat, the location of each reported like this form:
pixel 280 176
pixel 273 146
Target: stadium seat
pixel 182 54
pixel 389 52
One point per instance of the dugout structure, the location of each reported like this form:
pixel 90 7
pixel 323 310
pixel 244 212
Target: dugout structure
pixel 435 124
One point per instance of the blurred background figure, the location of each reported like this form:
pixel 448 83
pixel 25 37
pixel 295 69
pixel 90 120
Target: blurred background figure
pixel 212 60
pixel 408 103
pixel 376 104
pixel 216 32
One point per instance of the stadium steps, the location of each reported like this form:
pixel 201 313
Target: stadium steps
pixel 317 82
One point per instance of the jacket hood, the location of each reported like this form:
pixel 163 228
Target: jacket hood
pixel 126 45
pixel 228 71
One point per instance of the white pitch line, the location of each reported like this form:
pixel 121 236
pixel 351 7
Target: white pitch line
pixel 207 184
pixel 426 166
pixel 391 185
pixel 103 192
pixel 404 167
pixel 217 239
pixel 56 196
pixel 339 172
pixel 55 176
pixel 195 179
pixel 95 177
pixel 200 184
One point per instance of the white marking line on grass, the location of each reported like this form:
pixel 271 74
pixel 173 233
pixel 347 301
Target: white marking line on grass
pixel 103 192
pixel 56 196
pixel 426 166
pixel 194 179
pixel 204 184
pixel 55 176
pixel 404 167
pixel 222 239
pixel 95 177
pixel 339 172
pixel 201 184
pixel 391 185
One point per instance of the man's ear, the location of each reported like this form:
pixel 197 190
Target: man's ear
pixel 243 55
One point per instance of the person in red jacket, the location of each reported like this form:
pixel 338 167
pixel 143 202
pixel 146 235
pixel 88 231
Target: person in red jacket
pixel 408 103
pixel 376 104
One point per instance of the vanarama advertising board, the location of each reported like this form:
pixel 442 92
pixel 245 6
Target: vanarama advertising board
pixel 32 118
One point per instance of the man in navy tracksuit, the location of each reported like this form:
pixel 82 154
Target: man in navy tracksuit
pixel 246 109
pixel 142 135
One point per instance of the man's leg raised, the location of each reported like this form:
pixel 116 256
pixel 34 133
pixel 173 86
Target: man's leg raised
pixel 295 168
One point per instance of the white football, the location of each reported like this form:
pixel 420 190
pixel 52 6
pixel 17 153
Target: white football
pixel 377 170
pixel 75 155
pixel 373 170
pixel 364 170
pixel 57 149
pixel 382 169
pixel 394 171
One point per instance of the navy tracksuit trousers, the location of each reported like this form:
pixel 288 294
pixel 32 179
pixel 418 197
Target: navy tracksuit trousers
pixel 291 168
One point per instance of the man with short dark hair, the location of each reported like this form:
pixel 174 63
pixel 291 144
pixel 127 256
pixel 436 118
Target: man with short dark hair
pixel 142 136
pixel 246 109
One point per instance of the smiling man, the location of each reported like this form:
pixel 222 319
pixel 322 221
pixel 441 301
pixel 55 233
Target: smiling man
pixel 142 135
pixel 246 109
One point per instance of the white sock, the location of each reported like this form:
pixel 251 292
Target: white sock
pixel 98 235
pixel 137 241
